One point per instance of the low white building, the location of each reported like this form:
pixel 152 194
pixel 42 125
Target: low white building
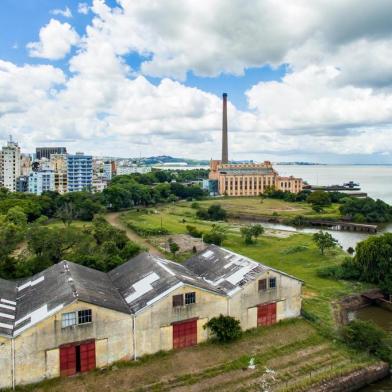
pixel 130 169
pixel 41 181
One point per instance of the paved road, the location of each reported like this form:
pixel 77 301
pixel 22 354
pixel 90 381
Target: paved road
pixel 114 219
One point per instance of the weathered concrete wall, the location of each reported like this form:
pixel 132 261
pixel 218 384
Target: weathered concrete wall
pixel 287 295
pixel 355 380
pixel 154 331
pixel 5 363
pixel 36 349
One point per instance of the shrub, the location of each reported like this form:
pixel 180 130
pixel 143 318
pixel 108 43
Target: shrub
pixel 213 238
pixel 348 270
pixel 148 231
pixel 224 328
pixel 202 213
pixel 298 220
pixel 365 335
pixel 216 236
pixel 193 232
pixel 215 212
pixel 195 205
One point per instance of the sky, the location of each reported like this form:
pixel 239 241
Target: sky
pixel 306 80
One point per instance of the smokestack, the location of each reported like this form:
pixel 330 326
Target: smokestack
pixel 225 149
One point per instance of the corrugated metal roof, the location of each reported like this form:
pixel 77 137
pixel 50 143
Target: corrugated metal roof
pixel 226 270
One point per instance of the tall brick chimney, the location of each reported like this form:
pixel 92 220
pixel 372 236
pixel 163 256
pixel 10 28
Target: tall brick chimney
pixel 225 149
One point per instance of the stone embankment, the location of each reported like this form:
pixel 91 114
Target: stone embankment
pixel 355 380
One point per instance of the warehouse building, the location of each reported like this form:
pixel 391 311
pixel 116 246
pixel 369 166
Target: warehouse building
pixel 70 318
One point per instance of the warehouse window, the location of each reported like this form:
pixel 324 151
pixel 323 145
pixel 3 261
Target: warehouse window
pixel 68 319
pixel 84 316
pixel 190 298
pixel 178 300
pixel 262 284
pixel 272 283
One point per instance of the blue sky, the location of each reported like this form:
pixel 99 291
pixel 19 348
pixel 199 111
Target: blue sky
pixel 147 77
pixel 21 21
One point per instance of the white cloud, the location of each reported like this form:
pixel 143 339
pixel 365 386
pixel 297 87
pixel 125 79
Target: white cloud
pixel 65 12
pixel 336 98
pixel 228 37
pixel 56 40
pixel 83 8
pixel 313 100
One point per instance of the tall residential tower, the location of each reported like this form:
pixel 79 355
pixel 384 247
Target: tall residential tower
pixel 10 165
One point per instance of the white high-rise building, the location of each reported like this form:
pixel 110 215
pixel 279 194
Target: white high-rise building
pixel 10 165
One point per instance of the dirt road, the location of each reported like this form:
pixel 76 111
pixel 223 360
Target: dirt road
pixel 114 219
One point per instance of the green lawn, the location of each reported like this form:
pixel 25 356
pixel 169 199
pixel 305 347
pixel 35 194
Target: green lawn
pixel 296 255
pixel 75 223
pixel 256 206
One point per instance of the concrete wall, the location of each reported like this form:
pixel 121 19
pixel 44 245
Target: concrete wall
pixel 37 348
pixel 154 331
pixel 287 295
pixel 5 363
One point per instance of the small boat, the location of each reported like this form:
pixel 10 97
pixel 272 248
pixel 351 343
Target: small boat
pixel 351 184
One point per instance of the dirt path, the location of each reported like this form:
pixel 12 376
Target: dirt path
pixel 114 219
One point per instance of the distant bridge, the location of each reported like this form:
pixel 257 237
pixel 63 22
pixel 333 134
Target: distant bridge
pixel 346 226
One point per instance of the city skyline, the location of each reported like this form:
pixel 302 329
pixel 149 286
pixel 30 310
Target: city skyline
pixel 305 81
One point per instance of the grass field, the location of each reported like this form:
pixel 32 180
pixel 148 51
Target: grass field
pixel 296 255
pixel 289 356
pixel 267 207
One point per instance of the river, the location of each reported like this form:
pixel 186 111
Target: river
pixel 375 180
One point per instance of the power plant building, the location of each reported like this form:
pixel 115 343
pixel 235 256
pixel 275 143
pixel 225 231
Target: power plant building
pixel 246 179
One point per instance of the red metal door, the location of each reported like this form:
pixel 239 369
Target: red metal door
pixel 266 314
pixel 87 356
pixel 67 360
pixel 185 334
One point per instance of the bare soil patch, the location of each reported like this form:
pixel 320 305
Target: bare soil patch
pixel 185 242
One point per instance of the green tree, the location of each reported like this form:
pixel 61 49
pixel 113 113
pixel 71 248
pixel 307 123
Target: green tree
pixel 173 246
pixel 257 230
pixel 246 233
pixel 17 216
pixel 216 212
pixel 319 198
pixel 51 244
pixel 216 235
pixel 192 231
pixel 224 328
pixel 66 213
pixel 324 240
pixel 374 258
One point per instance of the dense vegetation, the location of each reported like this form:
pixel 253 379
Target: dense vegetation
pixel 123 192
pixel 359 210
pixel 366 210
pixel 98 245
pixel 366 336
pixel 372 263
pixel 214 212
